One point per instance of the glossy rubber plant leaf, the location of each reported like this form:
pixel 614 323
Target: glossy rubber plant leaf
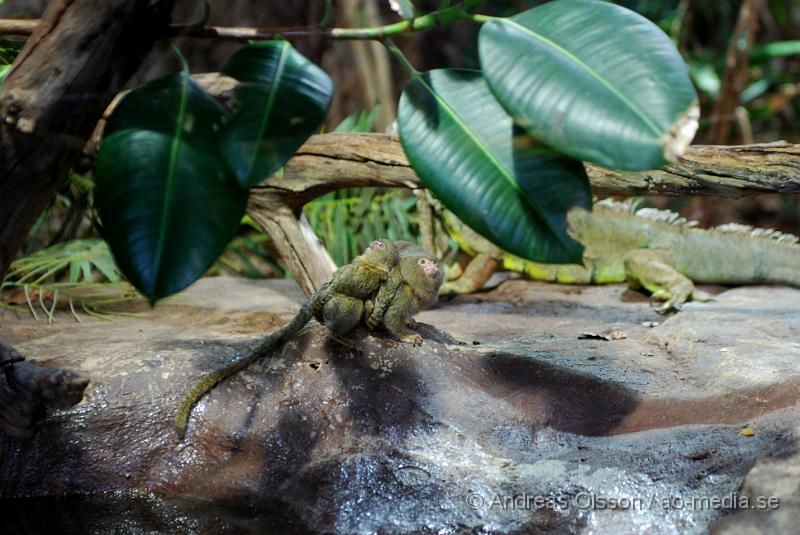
pixel 593 80
pixel 497 179
pixel 404 8
pixel 167 202
pixel 281 101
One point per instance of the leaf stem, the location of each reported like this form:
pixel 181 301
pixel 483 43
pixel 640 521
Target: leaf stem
pixel 181 57
pixel 476 17
pixel 396 52
pixel 434 19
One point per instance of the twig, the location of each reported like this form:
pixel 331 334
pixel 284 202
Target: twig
pixel 24 27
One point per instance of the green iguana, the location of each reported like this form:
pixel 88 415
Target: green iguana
pixel 652 249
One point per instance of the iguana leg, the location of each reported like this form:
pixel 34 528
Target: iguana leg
pixel 654 270
pixel 477 273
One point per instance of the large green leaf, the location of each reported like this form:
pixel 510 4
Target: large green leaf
pixel 593 80
pixel 163 193
pixel 404 8
pixel 282 100
pixel 504 185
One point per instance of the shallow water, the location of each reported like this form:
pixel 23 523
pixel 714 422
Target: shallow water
pixel 135 514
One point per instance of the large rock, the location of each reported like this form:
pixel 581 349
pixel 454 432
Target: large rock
pixel 528 427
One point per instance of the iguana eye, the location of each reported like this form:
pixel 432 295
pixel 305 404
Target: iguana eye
pixel 380 244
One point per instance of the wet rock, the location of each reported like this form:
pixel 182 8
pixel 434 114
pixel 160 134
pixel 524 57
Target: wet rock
pixel 532 429
pixel 770 500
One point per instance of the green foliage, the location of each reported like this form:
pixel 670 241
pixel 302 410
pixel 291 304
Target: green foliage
pixel 591 79
pixel 588 79
pixel 174 164
pixel 348 220
pixel 75 261
pixel 65 218
pixel 502 183
pixel 776 49
pixel 167 202
pixel 364 121
pixel 78 274
pixel 282 100
pixel 404 8
pixel 705 77
pixel 9 48
pixel 246 256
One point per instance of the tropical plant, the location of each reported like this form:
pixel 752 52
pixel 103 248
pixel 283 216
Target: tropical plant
pixel 566 81
pixel 9 48
pixel 348 220
pixel 78 275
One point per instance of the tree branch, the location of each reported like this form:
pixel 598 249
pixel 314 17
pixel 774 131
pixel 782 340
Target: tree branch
pixel 711 170
pixel 427 21
pixel 328 162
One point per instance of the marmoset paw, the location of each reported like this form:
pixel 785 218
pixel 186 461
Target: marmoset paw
pixel 413 339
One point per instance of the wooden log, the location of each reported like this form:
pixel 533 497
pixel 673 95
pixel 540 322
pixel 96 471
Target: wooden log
pixel 711 170
pixel 339 160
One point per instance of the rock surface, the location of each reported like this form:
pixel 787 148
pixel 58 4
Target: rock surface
pixel 526 428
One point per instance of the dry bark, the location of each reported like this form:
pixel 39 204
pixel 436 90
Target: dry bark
pixel 711 170
pixel 328 162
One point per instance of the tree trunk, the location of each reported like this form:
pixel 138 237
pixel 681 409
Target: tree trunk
pixel 77 59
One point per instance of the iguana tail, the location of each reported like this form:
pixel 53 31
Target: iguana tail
pixel 267 344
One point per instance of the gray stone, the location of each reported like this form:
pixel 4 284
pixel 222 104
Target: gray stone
pixel 771 494
pixel 531 429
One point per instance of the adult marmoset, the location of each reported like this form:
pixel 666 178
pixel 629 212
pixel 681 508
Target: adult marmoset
pixel 339 304
pixel 354 284
pixel 413 285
